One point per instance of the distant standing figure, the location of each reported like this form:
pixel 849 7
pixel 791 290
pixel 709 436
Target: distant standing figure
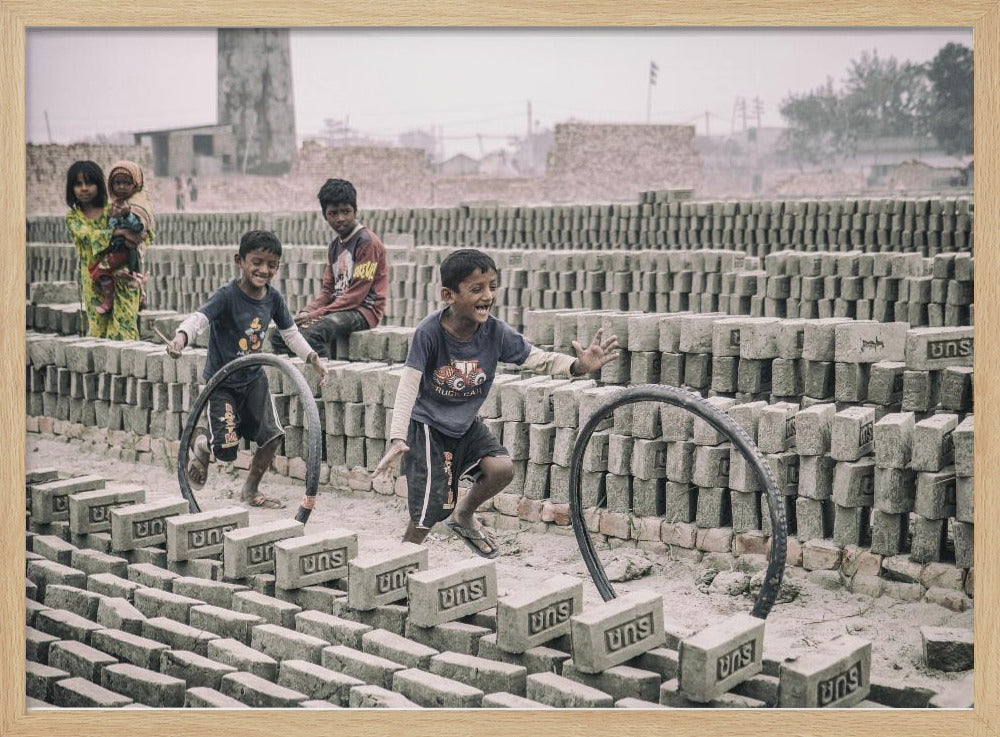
pixel 179 199
pixel 192 189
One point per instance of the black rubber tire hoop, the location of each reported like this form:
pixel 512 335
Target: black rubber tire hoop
pixel 312 438
pixel 722 423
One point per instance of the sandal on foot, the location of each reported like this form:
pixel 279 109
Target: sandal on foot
pixel 197 466
pixel 266 502
pixel 480 541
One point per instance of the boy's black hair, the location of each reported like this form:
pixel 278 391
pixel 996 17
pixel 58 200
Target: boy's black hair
pixel 459 264
pixel 92 174
pixel 337 192
pixel 259 240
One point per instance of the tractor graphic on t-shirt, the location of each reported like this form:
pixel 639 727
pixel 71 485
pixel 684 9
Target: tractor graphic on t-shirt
pixel 459 375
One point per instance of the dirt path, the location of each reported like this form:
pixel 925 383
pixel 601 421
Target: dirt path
pixel 815 616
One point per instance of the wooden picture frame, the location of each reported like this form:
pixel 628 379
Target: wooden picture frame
pixel 983 16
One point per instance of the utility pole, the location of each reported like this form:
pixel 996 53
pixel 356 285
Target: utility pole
pixel 758 108
pixel 530 148
pixel 707 134
pixel 47 126
pixel 653 69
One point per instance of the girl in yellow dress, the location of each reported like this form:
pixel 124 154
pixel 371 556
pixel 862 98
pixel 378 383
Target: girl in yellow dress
pixel 87 220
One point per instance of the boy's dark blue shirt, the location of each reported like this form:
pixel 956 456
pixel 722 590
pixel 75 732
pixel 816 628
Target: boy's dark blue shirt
pixel 457 375
pixel 239 323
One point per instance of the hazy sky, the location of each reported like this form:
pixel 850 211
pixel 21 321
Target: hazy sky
pixel 467 81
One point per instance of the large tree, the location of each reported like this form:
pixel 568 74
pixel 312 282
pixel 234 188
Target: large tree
pixel 883 97
pixel 950 108
pixel 815 132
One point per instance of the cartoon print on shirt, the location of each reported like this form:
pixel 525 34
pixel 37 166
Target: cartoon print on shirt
pixel 344 267
pixel 459 379
pixel 345 271
pixel 253 342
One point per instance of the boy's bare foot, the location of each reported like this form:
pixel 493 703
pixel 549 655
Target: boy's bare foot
pixel 265 502
pixel 198 460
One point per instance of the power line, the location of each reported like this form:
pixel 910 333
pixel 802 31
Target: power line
pixel 439 111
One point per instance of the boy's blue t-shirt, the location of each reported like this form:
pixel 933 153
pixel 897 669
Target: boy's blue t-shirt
pixel 239 324
pixel 458 375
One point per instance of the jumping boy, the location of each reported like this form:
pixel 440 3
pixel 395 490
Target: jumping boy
pixel 242 406
pixel 449 370
pixel 354 281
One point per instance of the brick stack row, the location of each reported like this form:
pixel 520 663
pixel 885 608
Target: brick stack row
pixel 923 225
pixel 881 287
pixel 926 226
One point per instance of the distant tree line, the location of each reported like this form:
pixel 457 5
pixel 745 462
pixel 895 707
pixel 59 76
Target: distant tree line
pixel 880 98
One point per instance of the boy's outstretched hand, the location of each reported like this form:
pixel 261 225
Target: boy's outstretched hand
pixel 393 452
pixel 319 367
pixel 595 355
pixel 175 346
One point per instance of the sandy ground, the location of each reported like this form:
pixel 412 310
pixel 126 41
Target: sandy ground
pixel 816 615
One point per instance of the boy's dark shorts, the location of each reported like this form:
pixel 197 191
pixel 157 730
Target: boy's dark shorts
pixel 246 412
pixel 436 462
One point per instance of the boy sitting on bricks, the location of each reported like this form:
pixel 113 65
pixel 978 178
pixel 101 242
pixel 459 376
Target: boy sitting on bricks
pixel 242 406
pixel 448 373
pixel 355 280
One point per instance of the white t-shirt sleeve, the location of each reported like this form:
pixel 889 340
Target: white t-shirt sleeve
pixel 548 362
pixel 193 326
pixel 402 405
